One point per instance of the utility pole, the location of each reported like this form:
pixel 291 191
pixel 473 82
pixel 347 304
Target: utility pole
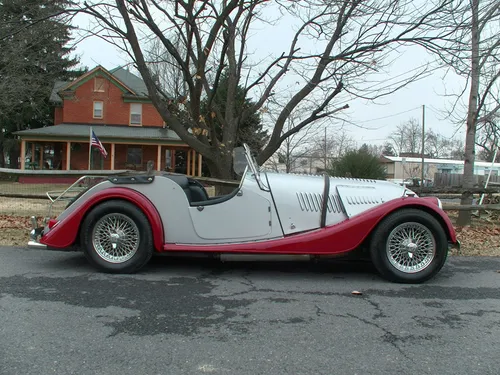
pixel 423 147
pixel 325 150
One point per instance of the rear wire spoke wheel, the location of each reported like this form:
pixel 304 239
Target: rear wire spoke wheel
pixel 117 237
pixel 409 246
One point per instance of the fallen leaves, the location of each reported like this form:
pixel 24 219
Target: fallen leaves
pixel 14 222
pixel 479 240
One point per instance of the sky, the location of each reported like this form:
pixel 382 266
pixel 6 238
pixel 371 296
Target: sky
pixel 374 120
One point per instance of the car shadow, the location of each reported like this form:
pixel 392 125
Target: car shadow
pixel 194 265
pixel 212 267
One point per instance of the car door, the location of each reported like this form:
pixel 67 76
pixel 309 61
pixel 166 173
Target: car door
pixel 245 216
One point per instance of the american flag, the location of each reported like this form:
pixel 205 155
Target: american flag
pixel 95 142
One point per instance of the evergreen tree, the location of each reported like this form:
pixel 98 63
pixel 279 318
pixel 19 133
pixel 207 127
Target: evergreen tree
pixel 388 150
pixel 33 39
pixel 358 164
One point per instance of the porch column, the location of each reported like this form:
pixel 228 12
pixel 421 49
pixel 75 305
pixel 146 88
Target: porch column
pixel 188 171
pixel 42 147
pixel 199 165
pixel 112 156
pixel 68 156
pixel 23 154
pixel 32 155
pixel 193 160
pixel 158 159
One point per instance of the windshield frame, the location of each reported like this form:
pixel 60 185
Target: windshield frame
pixel 254 168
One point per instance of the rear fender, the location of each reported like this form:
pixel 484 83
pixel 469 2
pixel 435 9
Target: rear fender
pixel 64 233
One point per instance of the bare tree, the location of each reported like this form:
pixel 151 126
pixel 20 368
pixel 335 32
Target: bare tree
pixel 407 138
pixel 165 70
pixel 473 54
pixel 296 147
pixel 337 47
pixel 437 146
pixel 329 147
pixel 488 137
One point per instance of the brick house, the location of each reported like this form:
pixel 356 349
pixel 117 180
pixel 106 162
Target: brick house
pixel 115 105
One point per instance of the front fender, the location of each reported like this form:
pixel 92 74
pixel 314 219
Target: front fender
pixel 64 233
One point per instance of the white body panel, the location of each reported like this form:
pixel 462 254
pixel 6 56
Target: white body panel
pixel 245 216
pixel 298 199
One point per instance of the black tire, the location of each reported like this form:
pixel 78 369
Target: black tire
pixel 140 234
pixel 384 263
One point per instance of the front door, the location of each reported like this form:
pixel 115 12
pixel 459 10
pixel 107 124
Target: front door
pixel 246 215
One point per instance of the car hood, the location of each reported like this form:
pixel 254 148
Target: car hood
pixel 299 198
pixel 295 183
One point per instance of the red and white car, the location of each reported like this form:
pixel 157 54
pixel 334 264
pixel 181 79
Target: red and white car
pixel 121 221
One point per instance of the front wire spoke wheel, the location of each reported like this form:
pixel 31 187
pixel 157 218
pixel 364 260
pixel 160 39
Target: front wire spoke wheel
pixel 411 247
pixel 115 238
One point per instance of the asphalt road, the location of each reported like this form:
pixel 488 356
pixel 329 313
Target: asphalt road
pixel 59 316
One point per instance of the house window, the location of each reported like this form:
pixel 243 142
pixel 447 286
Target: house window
pixel 135 114
pixel 134 155
pixel 98 109
pixel 99 84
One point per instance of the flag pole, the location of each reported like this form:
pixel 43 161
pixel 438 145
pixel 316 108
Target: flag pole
pixel 90 147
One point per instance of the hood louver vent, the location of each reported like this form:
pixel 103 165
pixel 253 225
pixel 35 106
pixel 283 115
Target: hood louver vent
pixel 311 202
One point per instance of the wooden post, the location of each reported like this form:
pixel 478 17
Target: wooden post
pixel 41 155
pixel 193 160
pixel 112 156
pixel 23 154
pixel 199 165
pixel 188 171
pixel 68 156
pixel 32 155
pixel 158 159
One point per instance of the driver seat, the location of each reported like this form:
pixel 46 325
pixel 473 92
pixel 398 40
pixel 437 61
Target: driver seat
pixel 194 190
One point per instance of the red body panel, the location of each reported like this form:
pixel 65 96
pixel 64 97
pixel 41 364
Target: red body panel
pixel 65 232
pixel 339 238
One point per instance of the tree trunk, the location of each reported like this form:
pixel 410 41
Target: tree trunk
pixel 464 217
pixel 2 151
pixel 222 169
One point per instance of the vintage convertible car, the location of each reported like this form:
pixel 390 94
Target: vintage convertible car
pixel 121 221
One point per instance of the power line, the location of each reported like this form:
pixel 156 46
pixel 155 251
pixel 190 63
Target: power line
pixel 388 116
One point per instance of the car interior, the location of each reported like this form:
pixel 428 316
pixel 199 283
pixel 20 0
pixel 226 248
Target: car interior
pixel 195 191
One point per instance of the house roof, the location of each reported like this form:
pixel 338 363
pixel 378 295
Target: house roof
pixel 128 81
pixel 131 80
pixel 54 96
pixel 436 161
pixel 106 133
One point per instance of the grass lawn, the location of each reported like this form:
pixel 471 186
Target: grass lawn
pixel 29 189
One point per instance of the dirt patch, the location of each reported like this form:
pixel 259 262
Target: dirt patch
pixel 14 230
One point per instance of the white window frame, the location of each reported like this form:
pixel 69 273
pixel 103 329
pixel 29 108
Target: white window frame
pixel 101 103
pixel 136 110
